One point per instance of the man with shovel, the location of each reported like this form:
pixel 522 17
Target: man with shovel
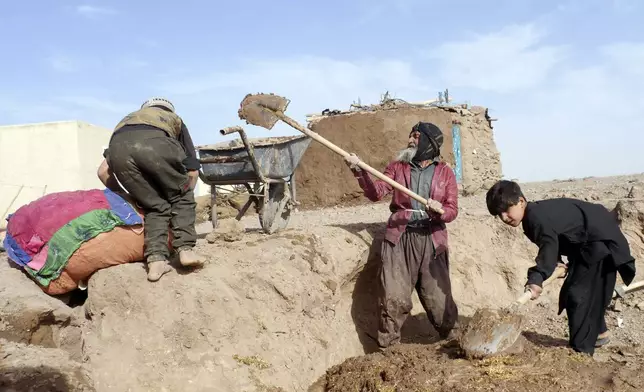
pixel 589 235
pixel 415 251
pixel 151 154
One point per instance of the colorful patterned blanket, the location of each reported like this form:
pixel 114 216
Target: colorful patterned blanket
pixel 42 235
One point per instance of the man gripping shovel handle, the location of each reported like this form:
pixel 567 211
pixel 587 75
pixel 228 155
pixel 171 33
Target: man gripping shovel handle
pixel 264 110
pixel 491 332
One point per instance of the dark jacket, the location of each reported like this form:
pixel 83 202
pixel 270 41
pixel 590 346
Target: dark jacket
pixel 582 231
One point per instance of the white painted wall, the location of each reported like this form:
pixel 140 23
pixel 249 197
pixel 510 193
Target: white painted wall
pixel 38 159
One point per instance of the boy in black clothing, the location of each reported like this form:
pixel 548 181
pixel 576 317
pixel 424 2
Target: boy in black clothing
pixel 589 235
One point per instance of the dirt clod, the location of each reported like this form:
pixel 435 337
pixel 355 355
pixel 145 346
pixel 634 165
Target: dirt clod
pixel 490 332
pixel 229 230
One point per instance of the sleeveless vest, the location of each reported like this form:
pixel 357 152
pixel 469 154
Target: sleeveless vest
pixel 169 122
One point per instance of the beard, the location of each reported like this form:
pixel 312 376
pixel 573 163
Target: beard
pixel 407 154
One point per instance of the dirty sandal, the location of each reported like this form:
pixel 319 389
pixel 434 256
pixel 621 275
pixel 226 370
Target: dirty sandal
pixel 602 341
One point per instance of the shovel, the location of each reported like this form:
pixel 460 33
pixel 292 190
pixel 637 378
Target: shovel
pixel 494 331
pixel 622 290
pixel 264 110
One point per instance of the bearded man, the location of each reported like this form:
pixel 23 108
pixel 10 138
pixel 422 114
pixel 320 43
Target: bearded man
pixel 415 251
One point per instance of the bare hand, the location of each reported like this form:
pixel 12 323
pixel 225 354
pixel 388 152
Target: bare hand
pixel 194 176
pixel 562 265
pixel 534 289
pixel 433 206
pixel 352 161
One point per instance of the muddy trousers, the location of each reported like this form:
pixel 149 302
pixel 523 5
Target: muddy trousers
pixel 410 265
pixel 149 165
pixel 585 295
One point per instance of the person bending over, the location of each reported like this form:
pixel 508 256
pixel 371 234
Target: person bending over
pixel 589 236
pixel 152 155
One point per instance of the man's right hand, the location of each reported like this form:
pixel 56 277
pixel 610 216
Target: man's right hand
pixel 194 177
pixel 534 289
pixel 352 161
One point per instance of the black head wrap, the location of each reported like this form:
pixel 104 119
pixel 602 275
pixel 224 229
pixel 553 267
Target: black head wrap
pixel 429 142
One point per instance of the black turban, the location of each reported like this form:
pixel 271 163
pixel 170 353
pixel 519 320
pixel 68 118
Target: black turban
pixel 429 142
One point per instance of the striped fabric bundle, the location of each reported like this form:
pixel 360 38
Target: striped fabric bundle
pixel 43 235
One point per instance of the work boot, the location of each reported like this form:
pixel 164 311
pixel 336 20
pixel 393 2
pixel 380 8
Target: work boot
pixel 189 258
pixel 157 267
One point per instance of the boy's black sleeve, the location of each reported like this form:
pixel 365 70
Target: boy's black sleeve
pixel 547 239
pixel 191 162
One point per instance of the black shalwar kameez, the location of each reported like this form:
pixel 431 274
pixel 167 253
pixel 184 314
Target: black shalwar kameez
pixel 589 236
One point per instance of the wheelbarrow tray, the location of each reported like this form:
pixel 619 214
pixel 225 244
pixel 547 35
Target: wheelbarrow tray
pixel 228 163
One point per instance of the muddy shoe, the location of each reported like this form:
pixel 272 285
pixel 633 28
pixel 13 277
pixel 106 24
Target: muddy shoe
pixel 189 258
pixel 156 269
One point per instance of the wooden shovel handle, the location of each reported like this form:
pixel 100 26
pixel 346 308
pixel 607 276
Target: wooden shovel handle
pixel 622 290
pixel 558 273
pixel 361 164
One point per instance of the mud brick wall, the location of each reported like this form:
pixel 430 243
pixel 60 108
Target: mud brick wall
pixel 376 136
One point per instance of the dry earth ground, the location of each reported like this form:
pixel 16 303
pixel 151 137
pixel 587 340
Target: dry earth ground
pixel 270 312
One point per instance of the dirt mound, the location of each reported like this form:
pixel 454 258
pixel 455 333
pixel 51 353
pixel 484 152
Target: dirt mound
pixel 276 311
pixel 27 315
pixel 488 271
pixel 323 179
pixel 440 368
pixel 265 312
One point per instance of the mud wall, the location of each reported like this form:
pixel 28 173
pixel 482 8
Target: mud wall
pixel 323 180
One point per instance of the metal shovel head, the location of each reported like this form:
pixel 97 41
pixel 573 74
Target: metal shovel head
pixel 491 332
pixel 257 109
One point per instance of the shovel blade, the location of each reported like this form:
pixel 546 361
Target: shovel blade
pixel 257 109
pixel 491 332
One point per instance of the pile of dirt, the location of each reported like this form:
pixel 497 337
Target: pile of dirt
pixel 274 312
pixel 265 312
pixel 376 136
pixel 27 315
pixel 439 368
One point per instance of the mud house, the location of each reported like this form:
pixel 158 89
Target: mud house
pixel 376 133
pixel 37 159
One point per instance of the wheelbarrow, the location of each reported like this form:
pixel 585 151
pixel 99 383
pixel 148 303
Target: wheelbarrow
pixel 265 167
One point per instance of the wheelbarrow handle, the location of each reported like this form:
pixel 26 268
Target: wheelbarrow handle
pixel 229 130
pixel 345 154
pixel 558 273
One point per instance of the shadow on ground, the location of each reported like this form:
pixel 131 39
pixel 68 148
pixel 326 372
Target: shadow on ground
pixel 40 379
pixel 544 340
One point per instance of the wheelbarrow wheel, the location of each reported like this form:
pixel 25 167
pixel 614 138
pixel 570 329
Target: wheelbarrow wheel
pixel 276 211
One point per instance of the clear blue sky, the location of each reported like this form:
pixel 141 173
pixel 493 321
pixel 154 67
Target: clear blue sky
pixel 564 78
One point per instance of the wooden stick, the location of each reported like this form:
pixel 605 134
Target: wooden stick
pixel 558 273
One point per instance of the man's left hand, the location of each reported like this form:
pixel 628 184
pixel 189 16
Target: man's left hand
pixel 535 290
